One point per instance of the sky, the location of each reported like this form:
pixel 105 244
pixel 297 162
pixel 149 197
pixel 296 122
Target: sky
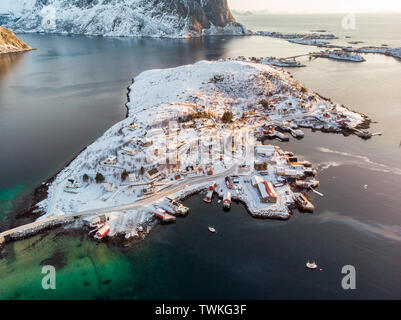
pixel 318 6
pixel 284 6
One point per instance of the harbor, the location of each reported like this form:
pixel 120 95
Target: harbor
pixel 140 169
pixel 100 270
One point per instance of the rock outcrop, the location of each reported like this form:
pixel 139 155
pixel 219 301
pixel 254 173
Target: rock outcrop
pixel 9 42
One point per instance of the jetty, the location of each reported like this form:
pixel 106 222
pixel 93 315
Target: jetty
pixel 37 226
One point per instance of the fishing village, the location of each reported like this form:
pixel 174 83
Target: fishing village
pixel 206 128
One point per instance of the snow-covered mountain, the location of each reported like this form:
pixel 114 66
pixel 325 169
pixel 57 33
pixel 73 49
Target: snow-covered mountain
pixel 9 42
pixel 154 18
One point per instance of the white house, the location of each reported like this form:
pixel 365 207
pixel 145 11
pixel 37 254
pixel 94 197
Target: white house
pixel 265 151
pixel 111 160
pixel 256 180
pixel 155 132
pixel 132 177
pixel 109 187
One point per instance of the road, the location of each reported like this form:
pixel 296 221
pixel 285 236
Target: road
pixel 34 226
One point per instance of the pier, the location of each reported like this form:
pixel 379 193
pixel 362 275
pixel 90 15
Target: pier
pixel 312 54
pixel 35 227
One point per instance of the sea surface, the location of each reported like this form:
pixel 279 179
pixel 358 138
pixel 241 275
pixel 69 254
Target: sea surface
pixel 58 99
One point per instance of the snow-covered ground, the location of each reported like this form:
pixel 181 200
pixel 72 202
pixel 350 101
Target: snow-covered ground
pixel 319 40
pixel 394 52
pixel 174 141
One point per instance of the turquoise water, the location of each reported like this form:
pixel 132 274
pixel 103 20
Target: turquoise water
pixel 58 99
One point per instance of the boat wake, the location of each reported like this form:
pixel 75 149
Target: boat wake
pixel 392 232
pixel 326 165
pixel 357 160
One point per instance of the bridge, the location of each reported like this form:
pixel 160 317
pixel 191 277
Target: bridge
pixel 311 54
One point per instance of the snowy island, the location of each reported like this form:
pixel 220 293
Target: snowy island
pixel 190 129
pixel 273 61
pixel 340 55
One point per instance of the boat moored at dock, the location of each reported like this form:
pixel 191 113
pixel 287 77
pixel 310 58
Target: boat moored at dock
pixel 281 136
pixel 229 183
pixel 227 201
pixel 102 232
pixel 178 207
pixel 297 133
pixel 209 196
pixel 303 203
pixel 164 216
pixel 307 184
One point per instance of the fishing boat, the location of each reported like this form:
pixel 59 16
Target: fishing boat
pixel 163 215
pixel 311 265
pixel 180 209
pixel 297 133
pixel 282 136
pixel 310 172
pixel 229 183
pixel 365 134
pixel 212 229
pixel 307 184
pixel 227 201
pixel 102 232
pixel 212 186
pixel 209 196
pixel 305 164
pixel 303 203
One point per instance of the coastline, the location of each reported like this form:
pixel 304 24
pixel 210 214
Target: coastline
pixel 41 192
pixel 18 51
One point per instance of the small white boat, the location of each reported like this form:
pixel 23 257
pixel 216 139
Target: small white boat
pixel 227 201
pixel 209 196
pixel 212 229
pixel 297 133
pixel 102 232
pixel 282 136
pixel 311 265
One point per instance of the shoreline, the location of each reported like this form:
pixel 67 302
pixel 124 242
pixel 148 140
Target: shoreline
pixel 40 192
pixel 18 51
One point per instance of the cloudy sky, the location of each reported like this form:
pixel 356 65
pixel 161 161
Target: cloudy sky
pixel 317 6
pixel 284 6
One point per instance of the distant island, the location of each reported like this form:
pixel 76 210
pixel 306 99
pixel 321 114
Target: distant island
pixel 250 12
pixel 9 42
